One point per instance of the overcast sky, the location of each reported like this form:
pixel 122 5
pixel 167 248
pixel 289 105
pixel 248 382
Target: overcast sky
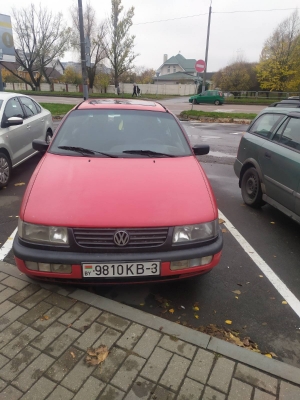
pixel 232 33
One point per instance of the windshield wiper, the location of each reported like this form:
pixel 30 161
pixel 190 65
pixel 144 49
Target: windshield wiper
pixel 84 151
pixel 148 153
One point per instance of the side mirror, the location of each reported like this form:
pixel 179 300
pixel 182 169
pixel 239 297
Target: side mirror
pixel 40 145
pixel 201 149
pixel 12 121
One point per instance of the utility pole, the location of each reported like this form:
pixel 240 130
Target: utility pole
pixel 83 52
pixel 206 51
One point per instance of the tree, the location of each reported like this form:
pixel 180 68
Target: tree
pixel 120 44
pixel 102 81
pixel 236 77
pixel 41 37
pixel 95 33
pixel 279 64
pixel 8 77
pixel 144 75
pixel 71 76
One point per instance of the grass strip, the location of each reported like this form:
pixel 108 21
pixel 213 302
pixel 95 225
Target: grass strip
pixel 56 108
pixel 198 114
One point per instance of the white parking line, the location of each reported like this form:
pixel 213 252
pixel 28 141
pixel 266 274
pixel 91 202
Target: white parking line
pixel 263 266
pixel 7 245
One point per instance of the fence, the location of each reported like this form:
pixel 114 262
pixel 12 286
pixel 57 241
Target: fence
pixel 164 89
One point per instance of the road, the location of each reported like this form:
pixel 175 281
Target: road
pixel 175 105
pixel 237 289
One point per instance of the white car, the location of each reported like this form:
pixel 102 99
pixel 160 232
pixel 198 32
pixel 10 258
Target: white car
pixel 22 121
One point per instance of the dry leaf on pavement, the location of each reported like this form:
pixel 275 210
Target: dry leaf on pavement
pixel 44 318
pixel 228 322
pixel 284 302
pixel 19 184
pixel 221 221
pixel 237 292
pixel 72 354
pixel 171 310
pixel 96 356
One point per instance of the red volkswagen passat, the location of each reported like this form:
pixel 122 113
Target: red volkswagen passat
pixel 119 197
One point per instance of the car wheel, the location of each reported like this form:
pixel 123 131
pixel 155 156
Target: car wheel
pixel 195 102
pixel 5 170
pixel 217 102
pixel 251 189
pixel 49 135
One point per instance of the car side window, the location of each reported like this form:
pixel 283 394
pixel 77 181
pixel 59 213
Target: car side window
pixel 291 134
pixel 12 109
pixel 264 125
pixel 29 106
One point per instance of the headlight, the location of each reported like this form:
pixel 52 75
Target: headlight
pixel 189 233
pixel 42 234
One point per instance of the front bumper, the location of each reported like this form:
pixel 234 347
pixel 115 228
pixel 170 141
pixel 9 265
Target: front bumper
pixel 23 253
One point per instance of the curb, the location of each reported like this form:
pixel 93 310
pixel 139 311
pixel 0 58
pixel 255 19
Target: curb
pixel 258 361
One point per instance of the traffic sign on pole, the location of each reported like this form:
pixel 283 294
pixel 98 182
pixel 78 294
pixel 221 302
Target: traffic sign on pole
pixel 200 66
pixel 6 39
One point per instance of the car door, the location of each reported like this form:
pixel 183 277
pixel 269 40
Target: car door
pixel 281 165
pixel 204 97
pixel 15 137
pixel 34 119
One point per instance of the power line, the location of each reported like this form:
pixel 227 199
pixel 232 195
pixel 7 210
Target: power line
pixel 217 12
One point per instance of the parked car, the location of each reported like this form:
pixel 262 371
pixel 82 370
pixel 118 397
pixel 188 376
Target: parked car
pixel 22 121
pixel 287 103
pixel 268 161
pixel 119 196
pixel 209 96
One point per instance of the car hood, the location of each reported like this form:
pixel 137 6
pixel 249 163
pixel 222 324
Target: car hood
pixel 118 192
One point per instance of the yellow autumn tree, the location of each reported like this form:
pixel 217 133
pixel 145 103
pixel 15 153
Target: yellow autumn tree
pixel 279 66
pixel 102 81
pixel 71 76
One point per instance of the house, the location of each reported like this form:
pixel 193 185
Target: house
pixel 54 69
pixel 76 66
pixel 179 69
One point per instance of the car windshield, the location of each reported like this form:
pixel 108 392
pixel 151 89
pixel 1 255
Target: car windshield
pixel 123 133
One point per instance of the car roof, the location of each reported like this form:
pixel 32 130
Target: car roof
pixel 121 104
pixel 9 95
pixel 280 110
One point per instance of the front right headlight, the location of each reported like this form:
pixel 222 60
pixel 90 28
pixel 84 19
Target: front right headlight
pixel 42 233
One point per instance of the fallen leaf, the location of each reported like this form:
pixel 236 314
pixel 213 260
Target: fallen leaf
pixel 239 284
pixel 44 318
pixel 196 308
pixel 171 310
pixel 182 307
pixel 247 283
pixel 72 354
pixel 273 354
pixel 264 323
pixel 236 291
pixel 268 355
pixel 261 276
pixel 19 184
pixel 196 316
pixel 96 356
pixel 142 304
pixel 284 302
pixel 236 297
pixel 221 221
pixel 272 298
pixel 69 326
pixel 224 230
pixel 272 222
pixel 228 322
pixel 160 328
pixel 246 342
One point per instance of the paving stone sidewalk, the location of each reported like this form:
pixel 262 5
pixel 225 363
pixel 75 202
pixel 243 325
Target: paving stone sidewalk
pixel 45 331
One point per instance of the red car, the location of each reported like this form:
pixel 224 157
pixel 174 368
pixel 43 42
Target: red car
pixel 118 197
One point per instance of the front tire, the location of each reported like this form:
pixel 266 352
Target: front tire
pixel 5 170
pixel 251 189
pixel 217 102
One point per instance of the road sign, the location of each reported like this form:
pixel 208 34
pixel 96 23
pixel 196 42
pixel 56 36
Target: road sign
pixel 200 66
pixel 6 39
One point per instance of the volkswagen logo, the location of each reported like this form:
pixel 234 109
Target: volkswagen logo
pixel 121 238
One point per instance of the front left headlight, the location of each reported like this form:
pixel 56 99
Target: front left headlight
pixel 42 233
pixel 198 232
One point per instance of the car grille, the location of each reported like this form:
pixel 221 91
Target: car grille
pixel 104 238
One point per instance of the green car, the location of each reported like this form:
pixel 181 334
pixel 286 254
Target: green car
pixel 268 161
pixel 209 96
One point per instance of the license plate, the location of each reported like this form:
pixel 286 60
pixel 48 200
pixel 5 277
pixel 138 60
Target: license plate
pixel 120 270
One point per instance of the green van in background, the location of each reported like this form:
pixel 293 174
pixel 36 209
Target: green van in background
pixel 209 96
